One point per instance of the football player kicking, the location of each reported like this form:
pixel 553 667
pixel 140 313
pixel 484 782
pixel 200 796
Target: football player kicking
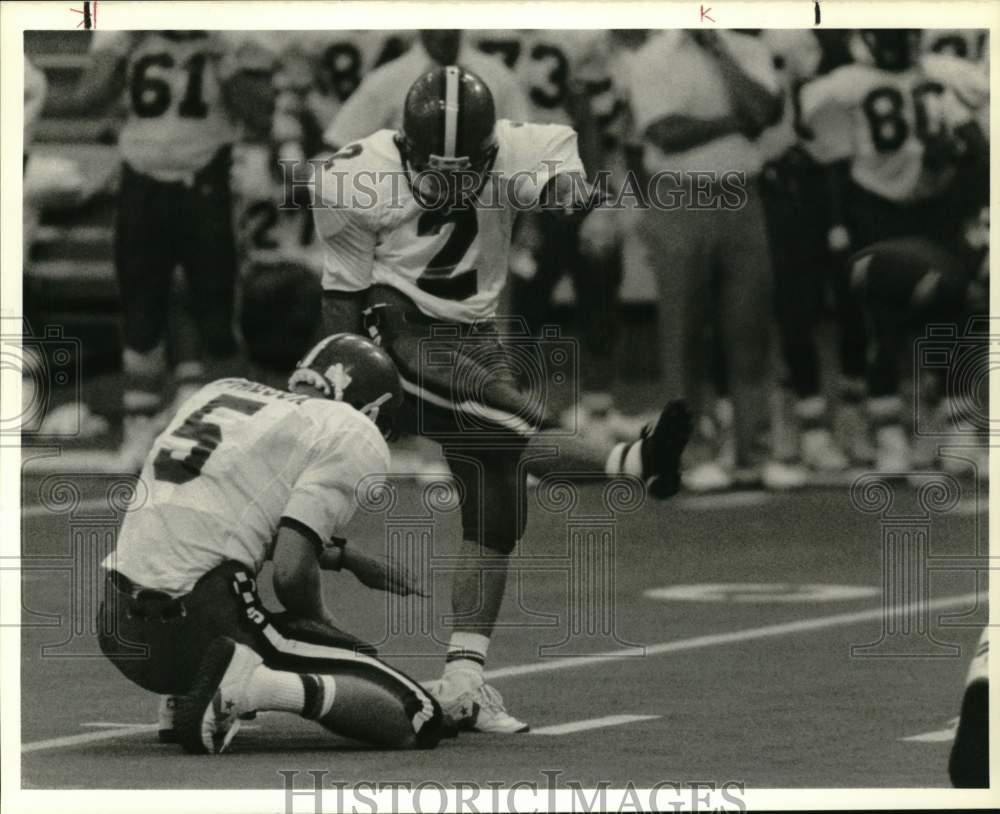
pixel 416 227
pixel 248 472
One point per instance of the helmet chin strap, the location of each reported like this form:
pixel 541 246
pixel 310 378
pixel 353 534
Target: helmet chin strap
pixel 372 410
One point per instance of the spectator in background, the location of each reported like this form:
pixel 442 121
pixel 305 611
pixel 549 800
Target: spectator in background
pixel 907 125
pixel 191 96
pixel 792 188
pixel 712 261
pixel 907 286
pixel 377 104
pixel 35 89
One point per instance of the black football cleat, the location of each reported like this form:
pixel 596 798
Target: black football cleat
pixel 969 764
pixel 663 444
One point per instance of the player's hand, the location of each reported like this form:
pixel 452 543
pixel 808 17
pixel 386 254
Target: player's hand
pixel 838 238
pixel 382 574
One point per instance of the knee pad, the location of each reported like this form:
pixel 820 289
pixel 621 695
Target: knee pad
pixel 494 496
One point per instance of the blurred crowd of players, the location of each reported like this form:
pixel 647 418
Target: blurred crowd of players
pixel 863 162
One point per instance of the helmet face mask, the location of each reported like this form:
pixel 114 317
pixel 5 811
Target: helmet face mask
pixel 440 182
pixel 354 370
pixel 447 142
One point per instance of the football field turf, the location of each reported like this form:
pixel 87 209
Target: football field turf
pixel 755 683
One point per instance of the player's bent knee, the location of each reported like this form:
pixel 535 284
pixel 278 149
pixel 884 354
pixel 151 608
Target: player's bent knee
pixel 501 535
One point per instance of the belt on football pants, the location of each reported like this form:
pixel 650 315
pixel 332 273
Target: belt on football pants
pixel 147 603
pixel 389 310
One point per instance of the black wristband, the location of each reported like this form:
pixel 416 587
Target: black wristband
pixel 341 543
pixel 304 530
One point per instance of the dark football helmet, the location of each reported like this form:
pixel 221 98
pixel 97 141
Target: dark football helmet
pixel 352 369
pixel 892 49
pixel 448 143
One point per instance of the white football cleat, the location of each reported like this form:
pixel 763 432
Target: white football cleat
pixel 165 719
pixel 852 426
pixel 775 476
pixel 208 716
pixel 708 476
pixel 819 451
pixel 779 475
pixel 892 450
pixel 477 709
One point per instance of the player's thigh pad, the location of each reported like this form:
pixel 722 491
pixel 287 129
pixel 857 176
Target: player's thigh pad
pixel 300 650
pixel 461 381
pixel 158 642
pixel 314 632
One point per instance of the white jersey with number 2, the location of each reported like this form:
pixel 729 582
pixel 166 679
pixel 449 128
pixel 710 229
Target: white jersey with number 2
pixel 452 264
pixel 236 459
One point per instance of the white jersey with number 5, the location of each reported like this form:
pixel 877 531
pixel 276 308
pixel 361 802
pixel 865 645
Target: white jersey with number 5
pixel 453 265
pixel 238 458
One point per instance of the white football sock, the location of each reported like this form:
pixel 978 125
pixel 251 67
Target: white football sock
pixel 625 459
pixel 466 653
pixel 307 694
pixel 275 689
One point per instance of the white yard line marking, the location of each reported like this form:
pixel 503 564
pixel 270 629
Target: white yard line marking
pixel 664 648
pixel 87 737
pixel 733 637
pixel 76 462
pixel 723 500
pixel 969 506
pixel 591 723
pixel 937 736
